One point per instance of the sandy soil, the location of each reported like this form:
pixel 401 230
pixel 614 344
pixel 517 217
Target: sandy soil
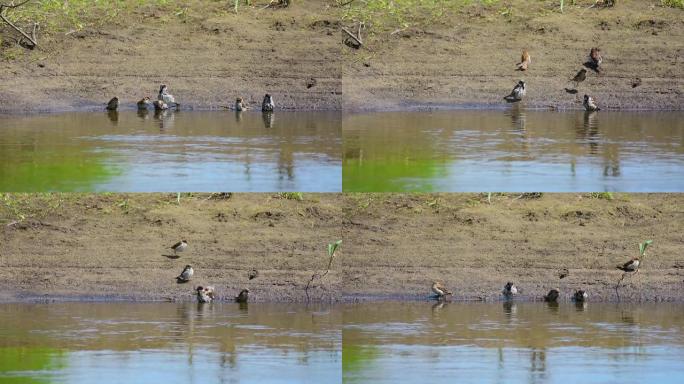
pixel 395 245
pixel 469 59
pixel 207 59
pixel 111 246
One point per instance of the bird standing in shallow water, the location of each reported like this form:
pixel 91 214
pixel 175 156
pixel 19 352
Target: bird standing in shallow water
pixel 144 103
pixel 525 61
pixel 167 98
pixel 517 93
pixel 243 296
pixel 186 275
pixel 240 105
pixel 552 296
pixel 160 105
pixel 580 296
pixel 440 290
pixel 205 294
pixel 113 104
pixel 589 104
pixel 510 289
pixel 179 247
pixel 268 105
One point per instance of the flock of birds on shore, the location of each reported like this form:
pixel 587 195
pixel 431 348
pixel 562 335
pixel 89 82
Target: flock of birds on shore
pixel 510 290
pixel 594 63
pixel 165 101
pixel 206 294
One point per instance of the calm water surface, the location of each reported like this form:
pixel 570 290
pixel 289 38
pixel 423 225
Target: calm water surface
pixel 513 343
pixel 172 152
pixel 514 151
pixel 169 343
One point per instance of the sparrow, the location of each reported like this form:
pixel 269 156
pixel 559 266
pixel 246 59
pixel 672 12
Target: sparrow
pixel 113 104
pixel 160 105
pixel 589 104
pixel 579 77
pixel 580 296
pixel 563 273
pixel 636 82
pixel 242 296
pixel 205 294
pixel 595 60
pixel 187 273
pixel 630 266
pixel 440 289
pixel 144 103
pixel 253 274
pixel 240 105
pixel 510 289
pixel 552 296
pixel 517 93
pixel 267 105
pixel 179 246
pixel 167 98
pixel 525 61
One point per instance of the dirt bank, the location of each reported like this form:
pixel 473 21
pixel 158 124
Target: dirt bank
pixel 395 245
pixel 205 53
pixel 467 57
pixel 110 246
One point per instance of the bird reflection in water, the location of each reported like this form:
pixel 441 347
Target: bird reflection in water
pixel 587 131
pixel 518 126
pixel 268 119
pixel 581 306
pixel 510 309
pixel 552 306
pixel 144 114
pixel 113 117
pixel 437 307
pixel 165 119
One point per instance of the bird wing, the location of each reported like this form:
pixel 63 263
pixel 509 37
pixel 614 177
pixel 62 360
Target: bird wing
pixel 444 289
pixel 178 244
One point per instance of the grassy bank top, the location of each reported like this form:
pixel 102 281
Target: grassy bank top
pixel 381 15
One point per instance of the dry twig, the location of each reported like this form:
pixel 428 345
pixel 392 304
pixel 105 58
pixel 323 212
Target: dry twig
pixel 31 38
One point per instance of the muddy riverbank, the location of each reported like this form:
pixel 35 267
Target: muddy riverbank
pixel 115 246
pixel 396 245
pixel 207 54
pixel 466 58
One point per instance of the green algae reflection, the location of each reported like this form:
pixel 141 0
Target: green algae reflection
pixel 15 360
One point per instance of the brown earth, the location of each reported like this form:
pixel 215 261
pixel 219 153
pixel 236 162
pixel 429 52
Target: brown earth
pixel 468 59
pixel 115 246
pixel 396 245
pixel 207 58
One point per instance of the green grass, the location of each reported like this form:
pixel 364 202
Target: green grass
pixel 673 3
pixel 61 16
pixel 298 196
pixel 386 14
pixel 22 206
pixel 602 195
